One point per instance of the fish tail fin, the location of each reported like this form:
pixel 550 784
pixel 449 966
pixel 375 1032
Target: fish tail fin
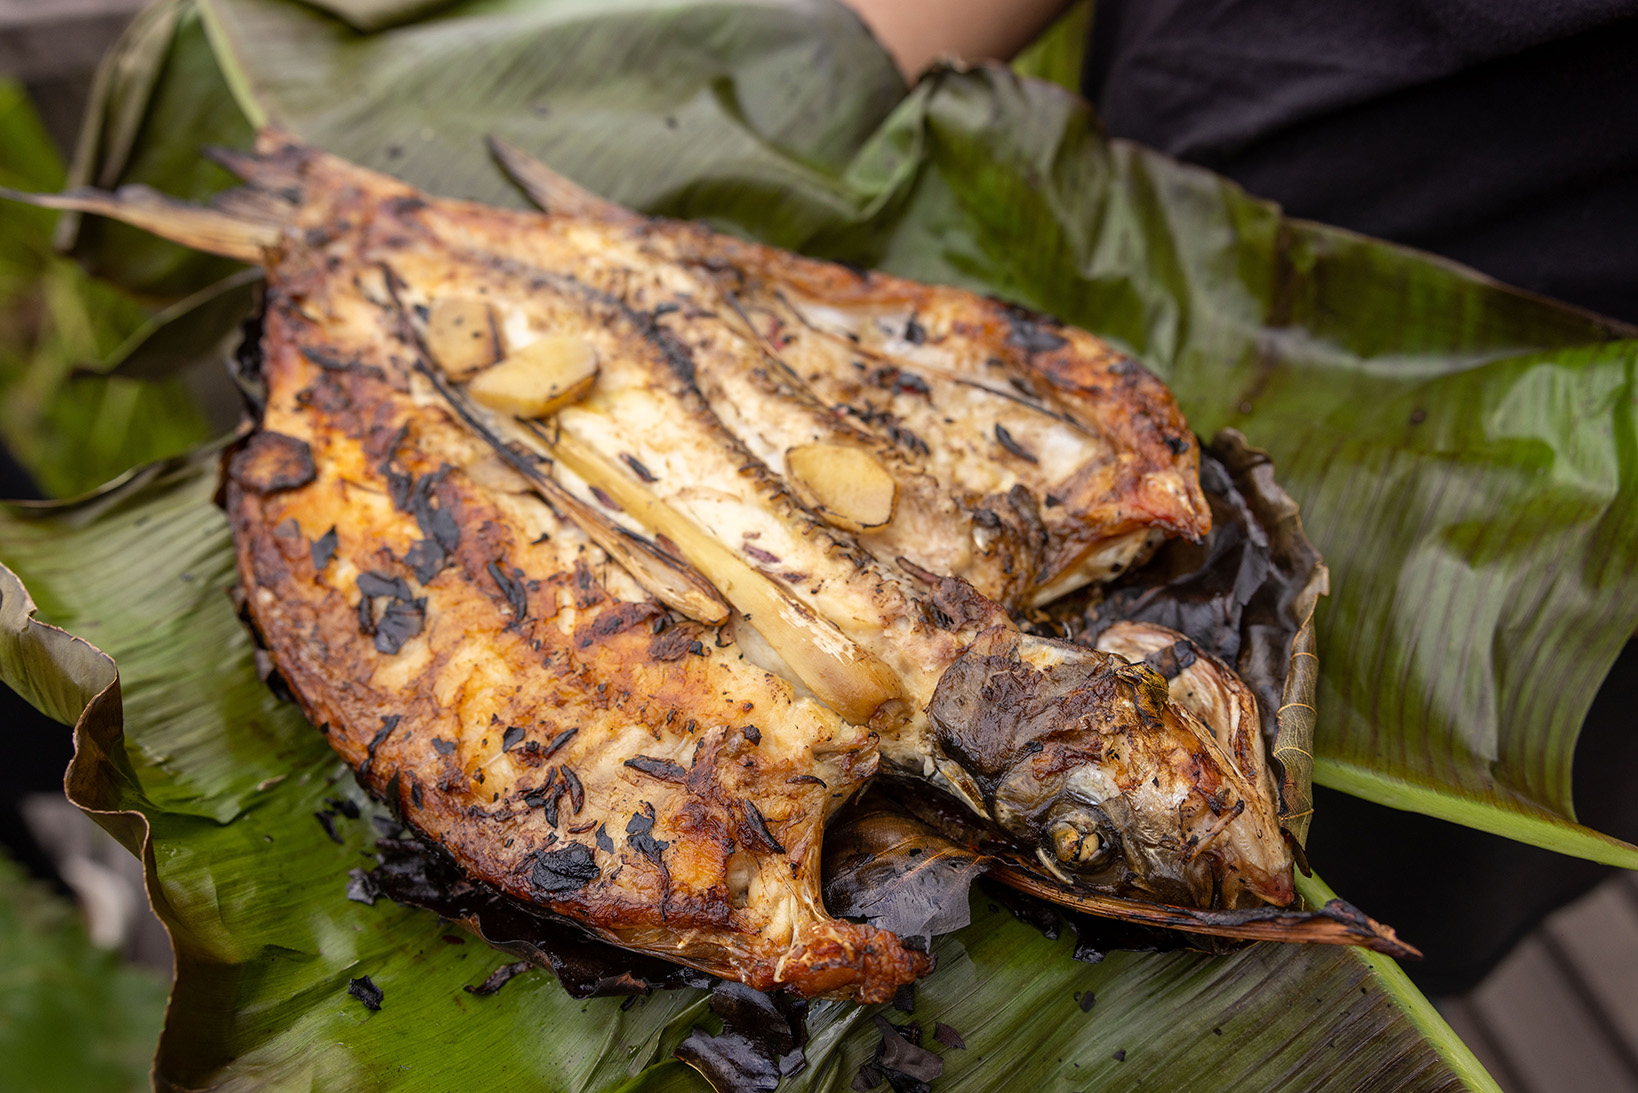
pixel 551 191
pixel 234 229
pixel 240 223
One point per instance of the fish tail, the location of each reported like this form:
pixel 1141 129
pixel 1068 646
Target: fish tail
pixel 242 223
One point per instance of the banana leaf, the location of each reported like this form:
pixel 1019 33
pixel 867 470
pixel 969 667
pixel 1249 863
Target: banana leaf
pixel 69 432
pixel 1433 425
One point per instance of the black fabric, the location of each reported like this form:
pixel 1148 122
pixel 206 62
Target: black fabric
pixel 1503 135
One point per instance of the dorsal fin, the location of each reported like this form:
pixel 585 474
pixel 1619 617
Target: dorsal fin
pixel 551 191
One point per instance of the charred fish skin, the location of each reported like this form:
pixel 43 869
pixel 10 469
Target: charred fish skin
pixel 616 661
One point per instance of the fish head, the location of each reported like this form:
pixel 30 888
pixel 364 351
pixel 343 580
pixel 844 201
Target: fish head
pixel 1082 755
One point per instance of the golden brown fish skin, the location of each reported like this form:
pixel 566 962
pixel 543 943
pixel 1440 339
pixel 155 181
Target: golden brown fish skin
pixel 709 855
pixel 527 703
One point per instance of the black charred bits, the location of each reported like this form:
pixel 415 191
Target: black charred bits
pixel 807 780
pixel 443 747
pixel 366 992
pixel 914 332
pixel 323 549
pixel 604 843
pixel 498 978
pixel 900 1059
pixel 388 723
pixel 558 741
pixel 613 620
pixel 512 737
pixel 672 644
pixel 1029 330
pixel 758 826
pixel 327 821
pixel 1177 444
pixel 637 468
pixel 270 462
pixel 891 378
pixel 401 619
pixel 1172 659
pixel 362 887
pixel 889 423
pixel 1012 445
pixel 546 797
pixel 426 559
pixel 563 870
pixel 640 834
pixel 761 555
pixel 512 588
pixel 948 1036
pixel 577 792
pixel 663 769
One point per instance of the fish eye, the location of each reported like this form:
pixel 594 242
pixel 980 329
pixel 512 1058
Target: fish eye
pixel 1077 839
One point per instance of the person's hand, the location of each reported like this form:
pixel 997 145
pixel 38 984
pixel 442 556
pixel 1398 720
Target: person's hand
pixel 919 32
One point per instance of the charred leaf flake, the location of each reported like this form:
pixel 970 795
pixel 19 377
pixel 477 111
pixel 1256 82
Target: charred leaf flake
pixel 563 870
pixel 426 559
pixel 512 737
pixel 362 887
pixel 324 549
pixel 366 992
pixel 640 837
pixel 907 1065
pixel 1012 445
pixel 759 826
pixel 498 978
pixel 663 769
pixel 761 1040
pixel 327 821
pixel 512 588
pixel 399 623
pixel 557 742
pixel 373 585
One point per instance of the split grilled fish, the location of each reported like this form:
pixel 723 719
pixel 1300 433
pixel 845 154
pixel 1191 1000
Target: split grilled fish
pixel 618 555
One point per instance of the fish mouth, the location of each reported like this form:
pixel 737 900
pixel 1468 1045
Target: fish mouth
pixel 1274 889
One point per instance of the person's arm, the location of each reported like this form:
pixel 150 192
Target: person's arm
pixel 919 32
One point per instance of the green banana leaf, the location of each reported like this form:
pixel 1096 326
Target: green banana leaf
pixel 70 432
pixel 1435 427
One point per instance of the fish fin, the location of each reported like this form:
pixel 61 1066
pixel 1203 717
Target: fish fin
pixel 550 191
pixel 1336 923
pixel 235 230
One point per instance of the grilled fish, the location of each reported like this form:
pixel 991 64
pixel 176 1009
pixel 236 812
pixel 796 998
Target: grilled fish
pixel 618 555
